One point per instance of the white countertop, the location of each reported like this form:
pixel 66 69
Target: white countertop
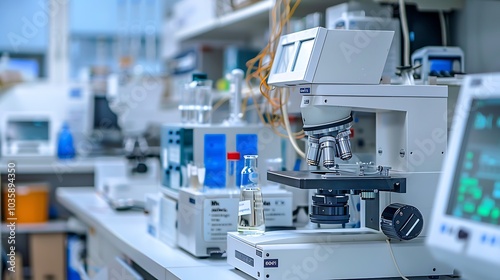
pixel 127 231
pixel 47 165
pixel 52 165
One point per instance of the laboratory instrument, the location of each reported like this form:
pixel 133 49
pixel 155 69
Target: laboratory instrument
pixel 204 218
pixel 199 144
pixel 137 102
pixel 395 189
pixel 29 128
pixel 465 227
pixel 437 61
pixel 122 184
pixel 184 144
pixel 28 134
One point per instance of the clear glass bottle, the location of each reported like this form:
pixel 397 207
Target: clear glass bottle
pixel 202 100
pixel 251 208
pixel 196 101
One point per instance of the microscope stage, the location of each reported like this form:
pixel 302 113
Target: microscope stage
pixel 318 180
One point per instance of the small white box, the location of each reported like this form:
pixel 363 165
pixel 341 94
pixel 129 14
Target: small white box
pixel 152 207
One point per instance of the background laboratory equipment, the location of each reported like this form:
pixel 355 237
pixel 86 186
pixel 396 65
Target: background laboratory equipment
pixel 465 227
pixel 437 61
pixel 196 101
pixel 189 214
pixel 251 208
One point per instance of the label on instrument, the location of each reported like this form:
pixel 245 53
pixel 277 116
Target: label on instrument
pixel 219 217
pixel 278 211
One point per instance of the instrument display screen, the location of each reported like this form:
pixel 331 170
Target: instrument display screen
pixel 475 194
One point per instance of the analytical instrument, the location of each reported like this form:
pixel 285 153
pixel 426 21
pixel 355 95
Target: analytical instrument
pixel 465 226
pixel 441 62
pixel 395 190
pixel 29 128
pixel 137 102
pixel 198 212
pixel 204 218
pixel 28 134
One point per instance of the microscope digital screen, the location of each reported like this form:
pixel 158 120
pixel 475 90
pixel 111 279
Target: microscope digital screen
pixel 287 56
pixel 476 185
pixel 27 131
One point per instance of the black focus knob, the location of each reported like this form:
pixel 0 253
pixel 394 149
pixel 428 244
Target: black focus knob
pixel 141 168
pixel 401 221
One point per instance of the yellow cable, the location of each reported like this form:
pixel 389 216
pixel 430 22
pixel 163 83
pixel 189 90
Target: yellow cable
pixel 256 70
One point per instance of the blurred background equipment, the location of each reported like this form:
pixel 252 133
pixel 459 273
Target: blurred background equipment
pixel 440 62
pixel 465 225
pixel 366 15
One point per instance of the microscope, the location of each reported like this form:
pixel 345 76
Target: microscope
pixel 137 102
pixel 338 72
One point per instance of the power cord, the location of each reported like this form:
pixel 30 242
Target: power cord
pixel 394 260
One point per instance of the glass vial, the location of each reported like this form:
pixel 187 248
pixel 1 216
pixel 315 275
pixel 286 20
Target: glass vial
pixel 251 210
pixel 231 169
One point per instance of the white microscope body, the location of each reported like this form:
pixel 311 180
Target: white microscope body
pixel 137 102
pixel 336 76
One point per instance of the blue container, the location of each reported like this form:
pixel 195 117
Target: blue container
pixel 65 145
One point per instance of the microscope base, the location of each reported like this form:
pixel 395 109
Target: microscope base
pixel 329 254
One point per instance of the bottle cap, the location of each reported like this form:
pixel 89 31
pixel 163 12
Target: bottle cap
pixel 233 155
pixel 199 76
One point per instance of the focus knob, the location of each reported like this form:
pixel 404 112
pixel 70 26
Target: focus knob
pixel 401 221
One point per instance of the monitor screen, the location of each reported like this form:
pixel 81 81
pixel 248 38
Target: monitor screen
pixel 442 64
pixel 287 53
pixel 304 55
pixel 104 118
pixel 476 184
pixel 27 130
pixel 29 68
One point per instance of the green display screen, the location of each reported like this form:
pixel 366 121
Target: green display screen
pixel 476 186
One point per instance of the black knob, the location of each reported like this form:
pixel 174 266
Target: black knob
pixel 463 234
pixel 401 221
pixel 141 168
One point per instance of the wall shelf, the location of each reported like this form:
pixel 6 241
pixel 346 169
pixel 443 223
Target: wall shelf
pixel 246 22
pixel 36 228
pixel 235 25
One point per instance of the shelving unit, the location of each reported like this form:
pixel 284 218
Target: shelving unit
pixel 236 25
pixel 246 22
pixel 47 227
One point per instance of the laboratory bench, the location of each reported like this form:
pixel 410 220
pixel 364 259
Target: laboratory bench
pixel 79 171
pixel 126 231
